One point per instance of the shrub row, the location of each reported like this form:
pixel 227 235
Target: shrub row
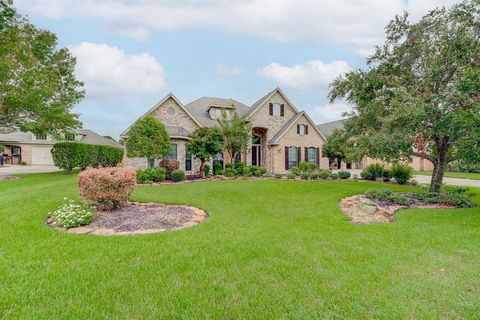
pixel 70 155
pixel 150 175
pixel 402 173
pixel 452 196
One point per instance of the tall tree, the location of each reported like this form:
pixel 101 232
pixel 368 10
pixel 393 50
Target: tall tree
pixel 420 94
pixel 237 133
pixel 38 87
pixel 147 138
pixel 204 144
pixel 338 147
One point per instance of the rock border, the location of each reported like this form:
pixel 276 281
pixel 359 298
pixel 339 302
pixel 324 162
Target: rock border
pixel 362 210
pixel 198 217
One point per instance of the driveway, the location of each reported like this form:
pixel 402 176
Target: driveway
pixel 9 170
pixel 426 180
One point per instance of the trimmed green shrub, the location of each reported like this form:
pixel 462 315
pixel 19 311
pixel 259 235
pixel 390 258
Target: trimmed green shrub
pixel 314 176
pixel 257 172
pixel 334 176
pixel 178 175
pixel 228 166
pixel 386 175
pixel 207 170
pixel 149 175
pixel 295 171
pixel 378 194
pixel 238 167
pixel 344 174
pixel 291 176
pixel 229 172
pixel 452 196
pixel 303 166
pixel 324 173
pixel 246 172
pixel 217 168
pixel 401 172
pixel 398 199
pixel 70 155
pixel 305 175
pixel 372 172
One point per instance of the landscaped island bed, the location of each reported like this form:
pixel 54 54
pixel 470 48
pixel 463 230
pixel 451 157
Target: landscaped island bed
pixel 269 249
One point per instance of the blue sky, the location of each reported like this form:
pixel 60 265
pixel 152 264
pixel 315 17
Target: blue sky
pixel 132 53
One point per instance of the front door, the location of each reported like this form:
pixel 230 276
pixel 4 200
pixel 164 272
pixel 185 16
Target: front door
pixel 256 156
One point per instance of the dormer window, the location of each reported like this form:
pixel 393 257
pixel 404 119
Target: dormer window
pixel 69 136
pixel 218 113
pixel 41 136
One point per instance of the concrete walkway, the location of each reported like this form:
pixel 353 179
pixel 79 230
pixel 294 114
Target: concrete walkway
pixel 9 170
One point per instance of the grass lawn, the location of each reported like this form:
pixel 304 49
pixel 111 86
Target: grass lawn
pixel 270 250
pixel 462 175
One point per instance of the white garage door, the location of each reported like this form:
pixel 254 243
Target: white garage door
pixel 42 155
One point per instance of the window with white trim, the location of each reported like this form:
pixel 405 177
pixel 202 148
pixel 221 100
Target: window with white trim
pixel 302 129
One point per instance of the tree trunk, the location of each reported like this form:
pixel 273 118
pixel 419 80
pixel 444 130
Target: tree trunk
pixel 439 167
pixel 202 168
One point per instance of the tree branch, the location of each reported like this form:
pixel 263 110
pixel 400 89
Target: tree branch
pixel 426 156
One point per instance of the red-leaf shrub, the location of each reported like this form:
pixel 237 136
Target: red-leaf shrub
pixel 170 165
pixel 108 188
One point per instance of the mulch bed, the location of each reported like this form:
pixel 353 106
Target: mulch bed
pixel 7 178
pixel 140 218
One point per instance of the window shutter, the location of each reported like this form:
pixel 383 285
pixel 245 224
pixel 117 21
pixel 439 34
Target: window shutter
pixel 286 158
pixel 298 129
pixel 306 154
pixel 306 129
pixel 270 109
pixel 318 157
pixel 299 154
pixel 282 110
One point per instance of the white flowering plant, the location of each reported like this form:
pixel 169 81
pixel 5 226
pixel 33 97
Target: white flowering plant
pixel 73 214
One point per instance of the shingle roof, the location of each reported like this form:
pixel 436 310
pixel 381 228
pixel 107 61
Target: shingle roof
pixel 327 128
pixel 198 108
pixel 15 136
pixel 90 137
pixel 174 131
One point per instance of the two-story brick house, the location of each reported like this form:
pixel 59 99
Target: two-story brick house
pixel 282 136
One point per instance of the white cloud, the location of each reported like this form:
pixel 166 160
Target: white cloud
pixel 227 71
pixel 357 25
pixel 311 76
pixel 109 72
pixel 141 34
pixel 330 112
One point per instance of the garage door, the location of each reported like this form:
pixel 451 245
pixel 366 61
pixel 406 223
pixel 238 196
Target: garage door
pixel 42 155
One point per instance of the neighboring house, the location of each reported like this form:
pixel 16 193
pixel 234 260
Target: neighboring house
pixel 282 136
pixel 418 164
pixel 29 148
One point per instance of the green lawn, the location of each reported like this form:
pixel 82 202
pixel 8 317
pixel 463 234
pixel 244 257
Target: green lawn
pixel 270 250
pixel 462 175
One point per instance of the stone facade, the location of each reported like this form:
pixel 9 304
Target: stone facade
pixel 292 139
